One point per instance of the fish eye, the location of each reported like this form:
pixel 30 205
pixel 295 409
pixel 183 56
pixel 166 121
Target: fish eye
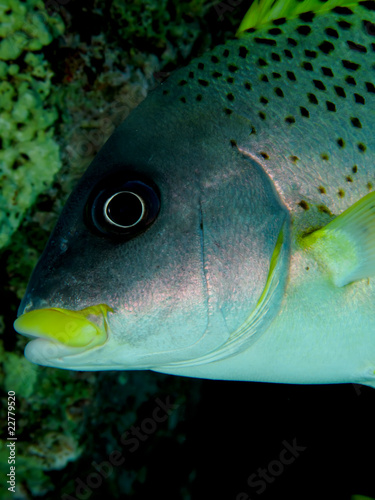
pixel 122 207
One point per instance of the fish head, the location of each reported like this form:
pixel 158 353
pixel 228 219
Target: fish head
pixel 163 250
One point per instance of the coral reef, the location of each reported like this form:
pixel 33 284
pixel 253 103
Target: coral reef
pixel 167 28
pixel 50 416
pixel 29 155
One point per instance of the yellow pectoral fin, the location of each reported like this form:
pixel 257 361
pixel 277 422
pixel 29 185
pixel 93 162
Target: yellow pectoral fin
pixel 87 327
pixel 346 246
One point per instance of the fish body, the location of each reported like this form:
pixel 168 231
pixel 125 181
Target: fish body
pixel 248 251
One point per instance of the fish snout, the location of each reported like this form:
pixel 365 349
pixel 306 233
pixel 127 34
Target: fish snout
pixel 82 329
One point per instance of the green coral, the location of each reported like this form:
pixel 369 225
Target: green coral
pixel 159 26
pixel 49 412
pixel 29 155
pixel 20 375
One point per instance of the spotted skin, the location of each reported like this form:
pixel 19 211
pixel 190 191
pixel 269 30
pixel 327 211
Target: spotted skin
pixel 305 90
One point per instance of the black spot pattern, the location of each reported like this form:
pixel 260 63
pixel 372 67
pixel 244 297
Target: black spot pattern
pixel 204 83
pixel 343 11
pixel 243 51
pixel 350 80
pixel 280 21
pixel 275 31
pixel 326 47
pixel 319 84
pixel 344 25
pixel 359 99
pixel 340 91
pixel 265 41
pixel 303 204
pixel 304 30
pixel 356 46
pixel 289 76
pixel 279 92
pixel 327 72
pixel 331 32
pixel 307 66
pixel 290 120
pixel 352 66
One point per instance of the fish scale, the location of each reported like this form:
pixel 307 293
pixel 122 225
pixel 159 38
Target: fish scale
pixel 316 73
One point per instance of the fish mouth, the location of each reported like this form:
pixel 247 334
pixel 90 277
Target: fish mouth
pixel 60 332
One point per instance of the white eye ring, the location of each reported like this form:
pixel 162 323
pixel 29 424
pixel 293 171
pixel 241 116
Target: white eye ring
pixel 108 219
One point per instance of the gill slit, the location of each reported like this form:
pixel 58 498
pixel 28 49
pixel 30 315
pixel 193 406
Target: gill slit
pixel 203 259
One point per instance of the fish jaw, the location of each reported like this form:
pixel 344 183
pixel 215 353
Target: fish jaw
pixel 90 339
pixel 58 332
pixel 76 340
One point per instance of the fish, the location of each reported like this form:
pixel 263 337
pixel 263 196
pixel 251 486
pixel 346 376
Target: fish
pixel 226 230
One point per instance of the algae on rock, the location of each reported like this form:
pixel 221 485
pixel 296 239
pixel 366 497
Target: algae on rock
pixel 29 155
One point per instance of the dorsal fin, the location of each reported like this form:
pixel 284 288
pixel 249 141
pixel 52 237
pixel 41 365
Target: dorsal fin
pixel 264 12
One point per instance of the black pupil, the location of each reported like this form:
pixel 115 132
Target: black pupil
pixel 124 209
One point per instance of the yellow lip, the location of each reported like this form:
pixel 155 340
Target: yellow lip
pixel 84 328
